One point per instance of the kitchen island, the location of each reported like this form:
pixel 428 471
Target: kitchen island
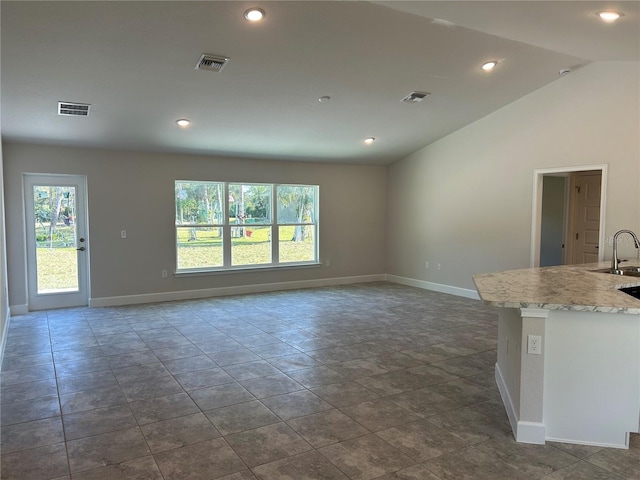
pixel 568 366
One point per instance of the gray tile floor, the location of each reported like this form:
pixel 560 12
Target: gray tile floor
pixel 357 382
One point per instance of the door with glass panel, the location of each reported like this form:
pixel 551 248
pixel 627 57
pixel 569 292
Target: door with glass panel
pixel 57 244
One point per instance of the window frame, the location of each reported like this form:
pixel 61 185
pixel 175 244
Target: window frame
pixel 269 224
pixel 314 222
pixel 226 228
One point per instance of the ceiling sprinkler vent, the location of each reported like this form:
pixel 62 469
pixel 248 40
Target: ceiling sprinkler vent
pixel 415 97
pixel 211 63
pixel 73 109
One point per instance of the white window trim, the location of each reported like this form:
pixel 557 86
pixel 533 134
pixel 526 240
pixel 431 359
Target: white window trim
pixel 226 227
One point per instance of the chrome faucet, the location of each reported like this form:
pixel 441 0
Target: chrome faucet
pixel 615 262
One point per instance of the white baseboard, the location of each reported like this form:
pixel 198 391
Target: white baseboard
pixel 530 432
pixel 18 309
pixel 436 287
pixel 222 291
pixel 4 334
pixel 261 288
pixel 523 431
pixel 623 446
pixel 506 399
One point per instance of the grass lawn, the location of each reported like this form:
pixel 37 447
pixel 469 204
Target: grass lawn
pixel 57 268
pixel 254 248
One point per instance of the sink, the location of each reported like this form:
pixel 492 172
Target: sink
pixel 628 271
pixel 633 291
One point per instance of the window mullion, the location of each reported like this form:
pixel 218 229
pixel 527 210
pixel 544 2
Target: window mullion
pixel 226 230
pixel 275 234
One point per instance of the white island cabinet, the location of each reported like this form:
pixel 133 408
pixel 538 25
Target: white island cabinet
pixel 568 366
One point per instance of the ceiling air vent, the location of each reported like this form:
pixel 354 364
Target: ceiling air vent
pixel 73 109
pixel 211 63
pixel 415 97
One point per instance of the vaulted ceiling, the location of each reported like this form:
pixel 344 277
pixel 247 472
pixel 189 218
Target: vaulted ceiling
pixel 133 62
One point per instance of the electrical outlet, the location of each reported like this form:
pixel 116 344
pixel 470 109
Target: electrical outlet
pixel 164 274
pixel 534 344
pixel 426 264
pixel 439 266
pixel 123 234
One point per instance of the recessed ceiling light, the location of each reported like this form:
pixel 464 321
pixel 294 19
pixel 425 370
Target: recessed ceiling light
pixel 609 16
pixel 369 140
pixel 183 122
pixel 487 67
pixel 254 14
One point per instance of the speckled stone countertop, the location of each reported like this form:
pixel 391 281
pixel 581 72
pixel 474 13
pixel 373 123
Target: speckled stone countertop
pixel 568 287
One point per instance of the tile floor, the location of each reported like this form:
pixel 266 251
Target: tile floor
pixel 375 381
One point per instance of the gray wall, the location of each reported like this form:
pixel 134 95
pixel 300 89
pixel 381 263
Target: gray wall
pixel 135 192
pixel 465 201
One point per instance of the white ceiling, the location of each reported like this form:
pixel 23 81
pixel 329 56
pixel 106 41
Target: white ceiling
pixel 134 63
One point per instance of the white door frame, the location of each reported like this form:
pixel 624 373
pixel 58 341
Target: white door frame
pixel 536 215
pixel 42 301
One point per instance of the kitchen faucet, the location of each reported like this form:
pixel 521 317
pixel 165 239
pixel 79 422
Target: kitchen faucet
pixel 615 262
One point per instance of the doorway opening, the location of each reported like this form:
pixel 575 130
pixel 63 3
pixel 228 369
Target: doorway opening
pixel 57 244
pixel 569 205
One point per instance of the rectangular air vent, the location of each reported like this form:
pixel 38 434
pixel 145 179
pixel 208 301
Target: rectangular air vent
pixel 73 109
pixel 211 63
pixel 415 97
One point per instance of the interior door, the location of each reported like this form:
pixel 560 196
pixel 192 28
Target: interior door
pixel 587 217
pixel 57 243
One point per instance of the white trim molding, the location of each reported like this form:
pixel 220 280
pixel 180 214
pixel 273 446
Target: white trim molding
pixel 18 309
pixel 536 205
pixel 506 398
pixel 264 287
pixel 625 446
pixel 436 287
pixel 534 312
pixel 222 291
pixel 5 333
pixel 525 432
pixel 530 432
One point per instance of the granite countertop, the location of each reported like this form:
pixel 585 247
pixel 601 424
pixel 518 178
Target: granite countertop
pixel 566 287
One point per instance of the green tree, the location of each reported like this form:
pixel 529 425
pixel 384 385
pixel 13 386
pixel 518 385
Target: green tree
pixel 50 204
pixel 249 201
pixel 296 205
pixel 258 201
pixel 198 203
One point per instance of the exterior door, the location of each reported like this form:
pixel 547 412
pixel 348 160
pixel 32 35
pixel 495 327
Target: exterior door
pixel 587 217
pixel 57 243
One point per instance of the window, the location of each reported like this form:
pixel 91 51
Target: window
pixel 226 226
pixel 297 223
pixel 250 218
pixel 199 224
